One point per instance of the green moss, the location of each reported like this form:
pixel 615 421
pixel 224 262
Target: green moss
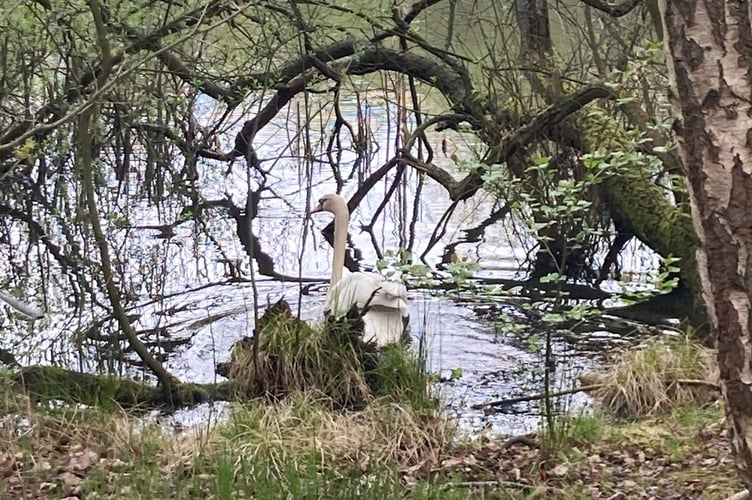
pixel 631 191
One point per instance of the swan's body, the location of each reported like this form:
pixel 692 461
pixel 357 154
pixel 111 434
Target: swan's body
pixel 382 303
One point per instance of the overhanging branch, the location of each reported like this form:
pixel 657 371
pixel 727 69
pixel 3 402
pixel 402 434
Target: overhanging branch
pixel 615 10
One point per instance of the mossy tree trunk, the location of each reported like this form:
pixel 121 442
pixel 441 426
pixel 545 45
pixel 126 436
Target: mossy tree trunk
pixel 633 197
pixel 709 56
pixel 630 194
pixel 47 383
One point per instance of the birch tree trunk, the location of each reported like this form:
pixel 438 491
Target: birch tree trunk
pixel 709 48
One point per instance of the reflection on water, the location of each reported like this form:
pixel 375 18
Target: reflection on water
pixel 158 275
pixel 493 365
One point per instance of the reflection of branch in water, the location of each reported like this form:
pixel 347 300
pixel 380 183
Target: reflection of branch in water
pixel 416 211
pixel 352 254
pixel 71 263
pixel 251 243
pixel 473 235
pixel 352 204
pixel 439 231
pixel 339 123
pixel 624 233
pixel 423 143
pixel 369 227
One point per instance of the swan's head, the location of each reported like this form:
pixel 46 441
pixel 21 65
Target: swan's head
pixel 330 203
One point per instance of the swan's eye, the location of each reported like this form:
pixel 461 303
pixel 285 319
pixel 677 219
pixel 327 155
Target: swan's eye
pixel 322 200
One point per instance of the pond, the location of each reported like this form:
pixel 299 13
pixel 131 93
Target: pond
pixel 184 303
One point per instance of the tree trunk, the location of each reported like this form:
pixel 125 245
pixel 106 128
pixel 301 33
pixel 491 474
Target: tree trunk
pixel 709 54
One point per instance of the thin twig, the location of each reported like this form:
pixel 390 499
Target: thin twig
pixel 704 383
pixel 482 484
pixel 584 388
pixel 85 167
pixel 535 397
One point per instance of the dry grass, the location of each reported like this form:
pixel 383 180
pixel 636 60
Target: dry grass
pixel 301 434
pixel 331 362
pixel 299 447
pixel 384 434
pixel 42 446
pixel 664 374
pixel 88 451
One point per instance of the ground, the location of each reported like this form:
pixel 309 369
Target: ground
pixel 685 454
pixel 668 441
pixel 681 454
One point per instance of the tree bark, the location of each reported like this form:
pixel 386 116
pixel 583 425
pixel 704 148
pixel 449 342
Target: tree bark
pixel 708 45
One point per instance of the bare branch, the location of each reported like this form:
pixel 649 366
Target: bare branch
pixel 417 8
pixel 615 10
pixel 54 114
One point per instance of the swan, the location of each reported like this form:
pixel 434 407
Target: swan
pixel 382 303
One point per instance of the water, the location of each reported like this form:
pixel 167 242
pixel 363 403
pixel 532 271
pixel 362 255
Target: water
pixel 178 287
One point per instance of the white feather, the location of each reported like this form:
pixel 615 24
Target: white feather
pixel 385 303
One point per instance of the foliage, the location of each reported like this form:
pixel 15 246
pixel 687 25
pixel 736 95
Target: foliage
pixel 400 266
pixel 461 270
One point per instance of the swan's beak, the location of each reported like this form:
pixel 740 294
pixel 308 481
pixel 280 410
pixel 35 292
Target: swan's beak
pixel 318 208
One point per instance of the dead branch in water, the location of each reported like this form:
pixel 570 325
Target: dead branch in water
pixel 584 388
pixel 535 397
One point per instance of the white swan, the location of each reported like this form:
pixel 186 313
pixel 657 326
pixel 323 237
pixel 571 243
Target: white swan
pixel 382 303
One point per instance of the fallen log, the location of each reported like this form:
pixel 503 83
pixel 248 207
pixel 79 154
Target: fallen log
pixel 50 383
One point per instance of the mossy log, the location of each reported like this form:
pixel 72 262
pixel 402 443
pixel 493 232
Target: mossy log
pixel 634 196
pixel 668 230
pixel 632 192
pixel 46 383
pixel 286 355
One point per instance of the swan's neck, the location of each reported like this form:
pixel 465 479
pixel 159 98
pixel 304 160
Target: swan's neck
pixel 341 221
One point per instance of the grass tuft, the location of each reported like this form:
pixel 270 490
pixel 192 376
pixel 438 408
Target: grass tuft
pixel 655 378
pixel 332 362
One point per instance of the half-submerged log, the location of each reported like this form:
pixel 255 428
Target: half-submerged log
pixel 50 383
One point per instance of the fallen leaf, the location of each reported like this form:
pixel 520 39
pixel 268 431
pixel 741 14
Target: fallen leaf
pixel 47 487
pixel 82 460
pixel 560 470
pixel 42 465
pixel 70 480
